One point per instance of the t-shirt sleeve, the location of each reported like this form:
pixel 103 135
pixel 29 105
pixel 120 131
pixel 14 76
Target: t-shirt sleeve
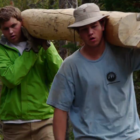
pixel 61 94
pixel 134 56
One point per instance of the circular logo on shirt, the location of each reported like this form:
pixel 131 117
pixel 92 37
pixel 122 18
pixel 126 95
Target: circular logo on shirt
pixel 111 76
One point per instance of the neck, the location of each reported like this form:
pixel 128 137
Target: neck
pixel 93 53
pixel 22 38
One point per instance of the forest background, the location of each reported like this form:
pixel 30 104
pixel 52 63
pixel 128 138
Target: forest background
pixel 65 48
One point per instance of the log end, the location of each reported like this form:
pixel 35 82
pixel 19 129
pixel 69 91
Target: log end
pixel 129 30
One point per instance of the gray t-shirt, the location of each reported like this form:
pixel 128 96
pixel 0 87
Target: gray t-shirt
pixel 99 95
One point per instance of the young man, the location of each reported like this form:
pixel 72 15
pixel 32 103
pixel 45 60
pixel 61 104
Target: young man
pixel 95 85
pixel 26 78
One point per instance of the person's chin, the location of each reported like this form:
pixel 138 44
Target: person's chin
pixel 14 41
pixel 94 44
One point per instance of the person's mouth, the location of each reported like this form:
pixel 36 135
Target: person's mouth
pixel 12 37
pixel 92 38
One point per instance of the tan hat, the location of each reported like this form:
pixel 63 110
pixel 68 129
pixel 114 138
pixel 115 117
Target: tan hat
pixel 86 14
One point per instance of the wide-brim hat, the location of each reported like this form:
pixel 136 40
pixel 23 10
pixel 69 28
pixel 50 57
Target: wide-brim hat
pixel 86 14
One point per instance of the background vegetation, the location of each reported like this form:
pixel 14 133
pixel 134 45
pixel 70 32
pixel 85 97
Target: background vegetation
pixel 67 49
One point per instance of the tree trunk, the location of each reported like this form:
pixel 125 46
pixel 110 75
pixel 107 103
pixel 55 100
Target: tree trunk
pixel 122 29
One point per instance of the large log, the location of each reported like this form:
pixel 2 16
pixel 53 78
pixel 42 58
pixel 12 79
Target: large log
pixel 122 29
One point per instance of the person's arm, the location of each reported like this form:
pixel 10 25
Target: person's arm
pixel 12 72
pixel 59 124
pixel 52 60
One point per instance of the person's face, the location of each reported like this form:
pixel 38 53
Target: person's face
pixel 91 34
pixel 12 30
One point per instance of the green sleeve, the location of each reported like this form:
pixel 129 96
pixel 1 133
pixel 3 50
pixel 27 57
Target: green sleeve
pixel 53 62
pixel 12 73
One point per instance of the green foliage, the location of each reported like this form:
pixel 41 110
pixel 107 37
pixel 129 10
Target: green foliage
pixel 71 47
pixel 1 133
pixel 27 4
pixel 4 2
pixel 79 2
pixel 1 137
pixel 121 5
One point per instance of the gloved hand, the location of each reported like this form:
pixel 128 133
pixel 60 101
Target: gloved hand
pixel 32 42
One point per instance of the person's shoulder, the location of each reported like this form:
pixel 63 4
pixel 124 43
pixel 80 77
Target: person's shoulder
pixel 119 50
pixel 2 46
pixel 3 43
pixel 70 62
pixel 72 58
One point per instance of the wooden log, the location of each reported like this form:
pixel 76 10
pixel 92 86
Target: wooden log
pixel 49 24
pixel 122 29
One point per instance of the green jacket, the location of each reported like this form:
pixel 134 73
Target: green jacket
pixel 26 82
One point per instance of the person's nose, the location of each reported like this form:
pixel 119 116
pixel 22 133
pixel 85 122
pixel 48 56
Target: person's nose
pixel 10 30
pixel 90 31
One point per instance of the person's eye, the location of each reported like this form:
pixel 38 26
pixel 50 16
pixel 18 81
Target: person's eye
pixel 13 25
pixel 5 29
pixel 94 26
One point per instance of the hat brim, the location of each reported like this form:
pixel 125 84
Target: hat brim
pixel 86 21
